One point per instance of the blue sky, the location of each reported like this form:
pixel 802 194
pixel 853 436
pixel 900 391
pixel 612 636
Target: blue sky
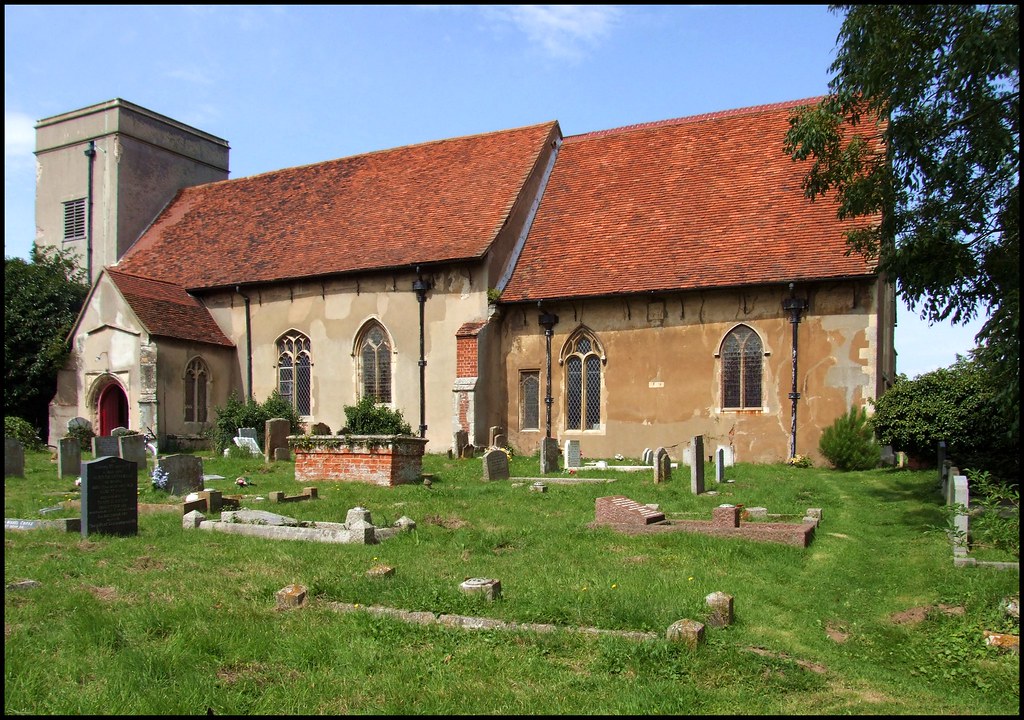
pixel 293 85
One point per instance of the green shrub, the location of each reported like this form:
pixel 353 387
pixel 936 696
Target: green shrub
pixel 237 414
pixel 22 430
pixel 958 405
pixel 849 442
pixel 84 434
pixel 368 418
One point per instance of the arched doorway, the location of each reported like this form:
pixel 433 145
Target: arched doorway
pixel 112 409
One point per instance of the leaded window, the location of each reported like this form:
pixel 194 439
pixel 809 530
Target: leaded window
pixel 742 360
pixel 583 359
pixel 529 400
pixel 375 363
pixel 294 371
pixel 197 379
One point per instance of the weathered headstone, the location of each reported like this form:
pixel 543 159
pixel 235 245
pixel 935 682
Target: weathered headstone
pixel 720 612
pixel 941 458
pixel 468 451
pixel 500 441
pixel 489 588
pixel 76 423
pixel 69 457
pixel 320 429
pixel 460 440
pixel 105 446
pixel 549 456
pixel 662 465
pixel 276 436
pixel 647 457
pixel 728 455
pixel 247 432
pixel 495 465
pixel 110 497
pixel 720 466
pixel 133 449
pixel 572 454
pixel 184 473
pixel 14 457
pixel 697 466
pixel 687 632
pixel 250 444
pixel 495 431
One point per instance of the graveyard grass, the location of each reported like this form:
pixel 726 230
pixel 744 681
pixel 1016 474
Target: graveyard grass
pixel 871 618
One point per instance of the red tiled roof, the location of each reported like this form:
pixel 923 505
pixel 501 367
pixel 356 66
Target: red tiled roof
pixel 420 204
pixel 697 202
pixel 167 310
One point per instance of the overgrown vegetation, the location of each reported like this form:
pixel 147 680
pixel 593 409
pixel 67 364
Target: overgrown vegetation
pixel 872 618
pixel 368 418
pixel 849 442
pixel 994 514
pixel 22 430
pixel 238 414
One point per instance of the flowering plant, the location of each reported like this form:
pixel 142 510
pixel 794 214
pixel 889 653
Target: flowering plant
pixel 160 478
pixel 800 461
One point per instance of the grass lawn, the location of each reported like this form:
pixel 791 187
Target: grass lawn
pixel 871 618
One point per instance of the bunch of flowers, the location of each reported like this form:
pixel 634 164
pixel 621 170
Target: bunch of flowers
pixel 800 461
pixel 160 478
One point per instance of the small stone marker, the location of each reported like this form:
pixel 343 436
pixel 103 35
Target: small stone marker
pixel 291 596
pixel 14 457
pixel 539 487
pixel 282 454
pixel 110 497
pixel 549 456
pixel 572 454
pixel 184 473
pixel 697 465
pixel 720 613
pixel 105 446
pixel 495 465
pixel 726 516
pixel 687 632
pixel 378 571
pixel 489 588
pixel 69 457
pixel 662 465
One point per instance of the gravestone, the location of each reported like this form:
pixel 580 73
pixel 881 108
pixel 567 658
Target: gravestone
pixel 14 457
pixel 495 431
pixel 572 454
pixel 500 441
pixel 720 609
pixel 105 446
pixel 184 473
pixel 244 441
pixel 320 429
pixel 133 449
pixel 460 441
pixel 76 423
pixel 941 458
pixel 110 497
pixel 647 457
pixel 720 465
pixel 468 451
pixel 69 457
pixel 495 465
pixel 662 465
pixel 276 434
pixel 246 432
pixel 549 456
pixel 697 466
pixel 728 455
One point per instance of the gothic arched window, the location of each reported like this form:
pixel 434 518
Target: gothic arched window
pixel 197 382
pixel 742 359
pixel 374 363
pixel 294 371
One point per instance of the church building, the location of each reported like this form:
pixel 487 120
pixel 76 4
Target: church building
pixel 628 288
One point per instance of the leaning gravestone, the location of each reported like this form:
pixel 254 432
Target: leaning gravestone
pixel 110 497
pixel 662 465
pixel 184 473
pixel 247 432
pixel 244 441
pixel 495 465
pixel 105 446
pixel 697 465
pixel 14 457
pixel 549 456
pixel 572 453
pixel 133 448
pixel 276 436
pixel 69 457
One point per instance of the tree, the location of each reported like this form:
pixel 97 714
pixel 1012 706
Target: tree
pixel 921 127
pixel 42 298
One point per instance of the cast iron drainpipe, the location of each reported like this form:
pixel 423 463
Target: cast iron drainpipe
pixel 421 287
pixel 90 152
pixel 547 320
pixel 794 306
pixel 248 344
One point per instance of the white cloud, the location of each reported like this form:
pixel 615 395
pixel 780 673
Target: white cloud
pixel 19 136
pixel 559 29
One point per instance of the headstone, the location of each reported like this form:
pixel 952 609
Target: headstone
pixel 291 596
pixel 720 466
pixel 495 465
pixel 133 449
pixel 941 458
pixel 468 451
pixel 647 457
pixel 687 632
pixel 888 457
pixel 119 431
pixel 247 432
pixel 549 456
pixel 244 441
pixel 76 423
pixel 697 465
pixel 728 455
pixel 720 612
pixel 489 588
pixel 184 473
pixel 572 454
pixel 459 441
pixel 282 454
pixel 110 497
pixel 276 436
pixel 105 446
pixel 69 457
pixel 495 431
pixel 500 441
pixel 14 457
pixel 662 465
pixel 320 429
